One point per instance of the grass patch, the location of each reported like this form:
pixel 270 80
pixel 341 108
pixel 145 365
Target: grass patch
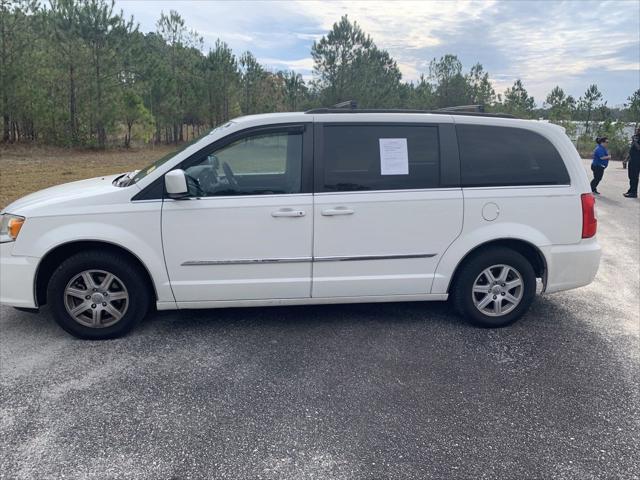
pixel 25 169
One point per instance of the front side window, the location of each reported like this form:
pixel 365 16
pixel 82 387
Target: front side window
pixel 380 157
pixel 259 164
pixel 503 156
pixel 161 161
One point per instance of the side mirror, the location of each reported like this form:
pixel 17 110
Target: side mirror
pixel 175 183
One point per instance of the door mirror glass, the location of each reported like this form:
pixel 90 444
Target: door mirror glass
pixel 176 184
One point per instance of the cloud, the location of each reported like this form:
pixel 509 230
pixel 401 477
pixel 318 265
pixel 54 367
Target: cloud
pixel 303 66
pixel 571 44
pixel 401 27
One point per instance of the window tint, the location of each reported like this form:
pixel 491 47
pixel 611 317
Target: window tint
pixel 494 156
pixel 355 157
pixel 258 164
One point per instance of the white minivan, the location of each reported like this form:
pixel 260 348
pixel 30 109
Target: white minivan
pixel 325 206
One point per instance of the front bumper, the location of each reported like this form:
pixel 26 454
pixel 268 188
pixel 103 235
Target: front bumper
pixel 17 278
pixel 571 266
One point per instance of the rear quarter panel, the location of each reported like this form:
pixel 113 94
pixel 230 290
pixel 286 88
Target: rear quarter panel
pixel 540 215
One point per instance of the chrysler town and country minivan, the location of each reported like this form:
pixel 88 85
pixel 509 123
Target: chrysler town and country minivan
pixel 327 206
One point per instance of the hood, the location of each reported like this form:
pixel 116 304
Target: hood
pixel 82 192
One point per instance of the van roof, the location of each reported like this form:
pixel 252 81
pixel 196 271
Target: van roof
pixel 345 115
pixel 356 111
pixel 378 113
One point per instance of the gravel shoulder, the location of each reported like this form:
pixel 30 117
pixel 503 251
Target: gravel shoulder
pixel 392 391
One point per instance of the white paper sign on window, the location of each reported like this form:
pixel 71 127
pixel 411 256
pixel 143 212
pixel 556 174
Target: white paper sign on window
pixel 394 158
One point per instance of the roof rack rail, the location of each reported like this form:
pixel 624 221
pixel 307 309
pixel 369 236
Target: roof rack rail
pixel 326 110
pixel 463 108
pixel 350 104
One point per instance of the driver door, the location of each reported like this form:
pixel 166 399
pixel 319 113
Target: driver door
pixel 245 232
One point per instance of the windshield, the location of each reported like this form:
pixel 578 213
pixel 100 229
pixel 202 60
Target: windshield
pixel 147 170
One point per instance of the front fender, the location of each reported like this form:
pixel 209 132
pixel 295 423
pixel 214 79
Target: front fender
pixel 137 232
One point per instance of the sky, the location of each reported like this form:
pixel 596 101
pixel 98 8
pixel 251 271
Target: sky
pixel 545 43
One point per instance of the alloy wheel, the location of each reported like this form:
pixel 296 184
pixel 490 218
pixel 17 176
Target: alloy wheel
pixel 497 290
pixel 96 298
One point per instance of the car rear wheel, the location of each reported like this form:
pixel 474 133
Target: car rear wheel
pixel 494 288
pixel 98 295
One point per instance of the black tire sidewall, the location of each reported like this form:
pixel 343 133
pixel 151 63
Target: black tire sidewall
pixel 129 274
pixel 470 271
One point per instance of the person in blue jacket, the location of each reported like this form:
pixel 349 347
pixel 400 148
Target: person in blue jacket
pixel 600 161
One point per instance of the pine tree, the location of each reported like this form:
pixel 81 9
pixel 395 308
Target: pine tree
pixel 517 100
pixel 349 66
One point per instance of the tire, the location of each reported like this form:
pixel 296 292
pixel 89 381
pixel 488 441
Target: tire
pixel 106 306
pixel 483 271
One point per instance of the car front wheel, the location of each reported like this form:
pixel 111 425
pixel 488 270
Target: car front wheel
pixel 98 295
pixel 495 287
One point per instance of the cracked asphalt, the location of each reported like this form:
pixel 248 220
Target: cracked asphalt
pixel 372 391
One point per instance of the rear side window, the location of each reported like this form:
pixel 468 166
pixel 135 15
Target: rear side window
pixel 500 156
pixel 380 157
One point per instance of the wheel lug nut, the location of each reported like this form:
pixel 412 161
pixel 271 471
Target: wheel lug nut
pixel 495 296
pixel 503 293
pixel 104 304
pixel 93 305
pixel 87 297
pixel 503 284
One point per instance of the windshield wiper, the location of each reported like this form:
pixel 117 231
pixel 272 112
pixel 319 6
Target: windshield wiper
pixel 124 180
pixel 117 179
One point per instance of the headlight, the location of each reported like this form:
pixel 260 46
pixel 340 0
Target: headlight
pixel 10 226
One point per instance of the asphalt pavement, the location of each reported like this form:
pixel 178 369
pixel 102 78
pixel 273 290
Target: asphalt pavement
pixel 371 391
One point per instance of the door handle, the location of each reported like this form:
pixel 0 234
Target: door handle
pixel 329 212
pixel 288 212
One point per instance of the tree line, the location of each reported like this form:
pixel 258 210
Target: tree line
pixel 79 73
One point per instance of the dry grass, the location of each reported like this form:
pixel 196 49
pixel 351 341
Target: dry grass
pixel 25 169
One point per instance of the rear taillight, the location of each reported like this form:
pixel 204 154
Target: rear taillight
pixel 589 221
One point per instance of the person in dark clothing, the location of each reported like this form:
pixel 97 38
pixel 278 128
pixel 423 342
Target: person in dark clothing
pixel 634 166
pixel 600 161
